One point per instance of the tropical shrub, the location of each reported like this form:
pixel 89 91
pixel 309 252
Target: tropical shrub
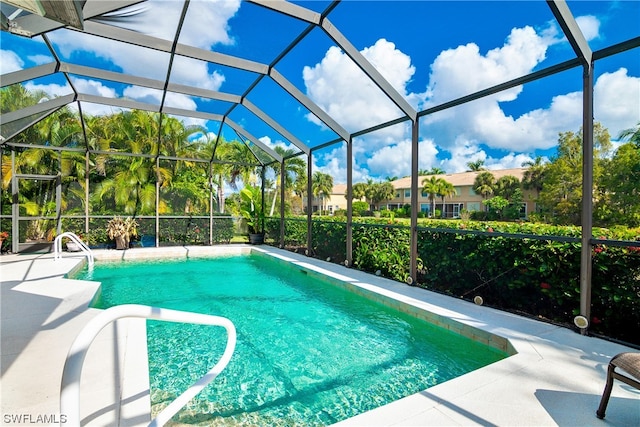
pixel 528 268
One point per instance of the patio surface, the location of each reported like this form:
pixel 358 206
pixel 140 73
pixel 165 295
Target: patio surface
pixel 556 379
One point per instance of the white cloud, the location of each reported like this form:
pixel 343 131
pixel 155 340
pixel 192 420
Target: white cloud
pixel 336 84
pixel 509 161
pixel 53 90
pixel 389 161
pixel 462 153
pixel 143 94
pixel 333 162
pixel 460 130
pixel 90 87
pixel 205 27
pixel 195 73
pixel 617 101
pixel 210 136
pixel 395 160
pixel 464 70
pixel 589 25
pixel 342 90
pixel 10 62
pixel 466 152
pixel 40 59
pixel 93 87
pixel 266 140
pixel 485 122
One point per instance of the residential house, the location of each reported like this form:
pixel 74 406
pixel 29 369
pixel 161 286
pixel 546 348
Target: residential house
pixel 465 197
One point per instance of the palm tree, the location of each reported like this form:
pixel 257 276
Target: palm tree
pixel 130 186
pixel 431 186
pixel 506 186
pixel 633 134
pixel 293 167
pixel 322 185
pixel 476 166
pixel 445 189
pixel 233 162
pixel 433 171
pixel 300 188
pixel 533 177
pixel 360 190
pixel 37 197
pixel 381 191
pixel 484 184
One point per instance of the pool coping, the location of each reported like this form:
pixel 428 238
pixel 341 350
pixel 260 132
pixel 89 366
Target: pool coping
pixel 555 378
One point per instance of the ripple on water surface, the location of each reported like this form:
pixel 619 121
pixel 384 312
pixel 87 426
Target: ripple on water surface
pixel 308 353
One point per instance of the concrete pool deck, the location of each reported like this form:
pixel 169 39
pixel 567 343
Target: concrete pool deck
pixel 555 379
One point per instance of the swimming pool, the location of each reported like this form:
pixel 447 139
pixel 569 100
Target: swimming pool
pixel 308 353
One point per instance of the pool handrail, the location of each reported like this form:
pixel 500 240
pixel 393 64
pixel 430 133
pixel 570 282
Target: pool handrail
pixel 70 387
pixel 57 246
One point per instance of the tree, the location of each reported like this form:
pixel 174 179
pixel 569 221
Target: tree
pixel 130 183
pixel 233 162
pixel 433 171
pixel 300 189
pixel 431 187
pixel 445 189
pixel 633 134
pixel 561 195
pixel 496 205
pixel 621 201
pixel 293 167
pixel 484 184
pixel 476 166
pixel 322 185
pixel 359 190
pixel 381 191
pixel 533 177
pixel 36 197
pixel 506 186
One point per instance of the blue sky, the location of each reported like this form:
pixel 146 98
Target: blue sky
pixel 430 51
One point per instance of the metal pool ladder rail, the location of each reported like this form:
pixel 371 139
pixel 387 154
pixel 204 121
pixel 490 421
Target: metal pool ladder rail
pixel 70 389
pixel 57 246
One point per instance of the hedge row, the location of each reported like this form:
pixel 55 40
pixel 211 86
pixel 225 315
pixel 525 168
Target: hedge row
pixel 510 266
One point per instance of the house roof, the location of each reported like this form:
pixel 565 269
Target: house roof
pixel 457 179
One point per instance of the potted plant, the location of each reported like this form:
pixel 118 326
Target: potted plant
pixel 122 230
pixel 3 236
pixel 251 210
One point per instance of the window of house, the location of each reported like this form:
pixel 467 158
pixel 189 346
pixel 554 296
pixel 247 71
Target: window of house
pixel 407 192
pixel 473 206
pixel 456 210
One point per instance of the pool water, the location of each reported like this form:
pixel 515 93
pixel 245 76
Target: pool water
pixel 308 354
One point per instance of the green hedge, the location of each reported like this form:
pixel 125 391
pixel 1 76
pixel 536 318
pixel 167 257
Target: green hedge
pixel 510 265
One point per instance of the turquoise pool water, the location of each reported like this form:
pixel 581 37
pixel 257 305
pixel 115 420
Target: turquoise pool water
pixel 309 353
